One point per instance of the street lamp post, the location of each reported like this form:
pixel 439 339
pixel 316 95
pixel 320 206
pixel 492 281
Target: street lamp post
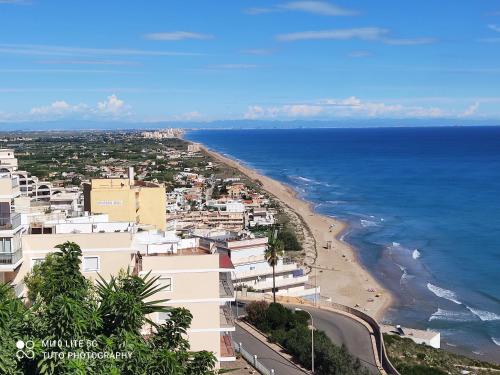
pixel 312 337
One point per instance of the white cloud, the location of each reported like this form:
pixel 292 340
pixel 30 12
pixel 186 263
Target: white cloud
pixel 88 62
pixel 471 110
pixel 290 111
pixel 257 51
pixel 364 33
pixel 58 108
pixel 494 28
pixel 178 35
pixel 409 41
pixel 319 7
pixel 234 66
pixel 351 107
pixel 314 7
pixel 15 2
pixel 49 50
pixel 112 107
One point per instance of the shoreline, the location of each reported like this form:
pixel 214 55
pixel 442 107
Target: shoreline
pixel 337 270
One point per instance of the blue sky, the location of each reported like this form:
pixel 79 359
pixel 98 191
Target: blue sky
pixel 250 59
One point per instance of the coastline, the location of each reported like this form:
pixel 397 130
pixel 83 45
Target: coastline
pixel 337 270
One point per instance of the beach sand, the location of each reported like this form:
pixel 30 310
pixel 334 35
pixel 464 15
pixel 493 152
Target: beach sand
pixel 339 273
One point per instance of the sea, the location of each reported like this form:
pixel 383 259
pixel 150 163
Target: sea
pixel 423 208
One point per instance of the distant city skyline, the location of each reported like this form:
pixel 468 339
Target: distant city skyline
pixel 198 61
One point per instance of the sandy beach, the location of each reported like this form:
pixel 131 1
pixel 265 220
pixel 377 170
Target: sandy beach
pixel 339 273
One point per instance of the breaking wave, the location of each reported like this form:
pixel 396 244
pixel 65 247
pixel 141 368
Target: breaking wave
pixel 451 316
pixel 485 316
pixel 368 223
pixel 305 179
pixel 444 293
pixel 496 341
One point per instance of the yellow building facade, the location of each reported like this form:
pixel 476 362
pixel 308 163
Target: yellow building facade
pixel 127 200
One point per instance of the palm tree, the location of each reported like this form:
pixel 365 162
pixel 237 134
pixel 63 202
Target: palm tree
pixel 275 250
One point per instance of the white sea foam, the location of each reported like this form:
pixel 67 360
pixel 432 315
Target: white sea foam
pixel 396 244
pixel 336 202
pixel 304 179
pixel 444 293
pixel 451 316
pixel 368 223
pixel 415 254
pixel 485 316
pixel 405 276
pixel 496 341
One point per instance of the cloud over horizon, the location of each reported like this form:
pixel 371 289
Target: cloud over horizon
pixel 178 35
pixel 352 107
pixel 112 107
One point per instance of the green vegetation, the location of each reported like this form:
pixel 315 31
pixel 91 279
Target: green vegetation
pixel 69 316
pixel 69 157
pixel 413 359
pixel 290 329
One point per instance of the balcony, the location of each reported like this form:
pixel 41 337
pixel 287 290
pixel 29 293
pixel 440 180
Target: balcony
pixel 10 221
pixel 268 271
pixel 226 318
pixel 10 261
pixel 226 289
pixel 226 348
pixel 280 282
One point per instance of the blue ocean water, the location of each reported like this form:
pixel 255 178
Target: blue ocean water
pixel 423 206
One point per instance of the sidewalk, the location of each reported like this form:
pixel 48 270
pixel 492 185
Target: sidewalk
pixel 269 354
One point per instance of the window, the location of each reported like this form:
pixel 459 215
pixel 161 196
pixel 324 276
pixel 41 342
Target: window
pixel 5 245
pixel 90 264
pixel 165 283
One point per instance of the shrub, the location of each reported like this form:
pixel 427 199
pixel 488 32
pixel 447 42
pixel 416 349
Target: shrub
pixel 290 329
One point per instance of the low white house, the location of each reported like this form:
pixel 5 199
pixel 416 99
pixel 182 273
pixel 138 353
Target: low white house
pixel 247 254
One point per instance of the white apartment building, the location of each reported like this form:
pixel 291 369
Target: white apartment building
pixel 251 269
pixel 8 162
pixel 31 186
pixel 10 225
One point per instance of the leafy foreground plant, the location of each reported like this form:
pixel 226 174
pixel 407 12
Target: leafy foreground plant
pixel 70 326
pixel 290 329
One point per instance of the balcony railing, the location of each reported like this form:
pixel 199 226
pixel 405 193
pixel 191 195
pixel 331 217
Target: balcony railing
pixel 226 317
pixel 7 259
pixel 266 271
pixel 10 221
pixel 285 282
pixel 226 288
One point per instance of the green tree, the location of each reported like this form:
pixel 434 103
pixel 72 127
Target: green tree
pixel 64 306
pixel 274 252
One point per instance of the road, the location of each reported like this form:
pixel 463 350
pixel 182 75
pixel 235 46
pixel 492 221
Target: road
pixel 343 330
pixel 265 355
